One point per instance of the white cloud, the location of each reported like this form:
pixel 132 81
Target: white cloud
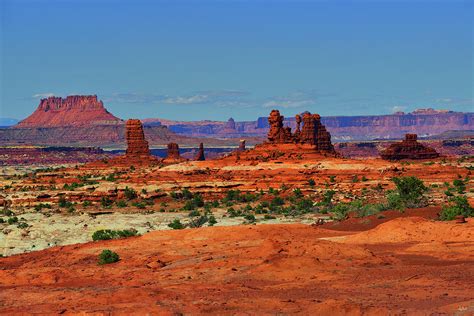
pixel 288 103
pixel 398 108
pixel 43 95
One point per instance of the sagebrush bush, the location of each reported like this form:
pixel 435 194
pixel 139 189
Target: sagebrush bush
pixel 107 234
pixel 108 256
pixel 409 193
pixel 459 205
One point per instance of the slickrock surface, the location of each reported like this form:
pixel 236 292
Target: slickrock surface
pixel 409 148
pixel 263 269
pixel 74 110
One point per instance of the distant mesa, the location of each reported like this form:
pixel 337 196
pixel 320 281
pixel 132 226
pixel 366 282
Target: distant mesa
pixel 74 110
pixel 409 148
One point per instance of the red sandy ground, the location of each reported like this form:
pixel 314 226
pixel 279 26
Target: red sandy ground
pixel 408 265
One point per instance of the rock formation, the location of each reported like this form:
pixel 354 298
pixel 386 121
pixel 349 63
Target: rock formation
pixel 74 110
pixel 230 125
pixel 137 146
pixel 200 155
pixel 313 132
pixel 242 145
pixel 409 148
pixel 277 133
pixel 173 152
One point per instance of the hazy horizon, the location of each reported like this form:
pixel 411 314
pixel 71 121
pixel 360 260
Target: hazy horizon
pixel 211 60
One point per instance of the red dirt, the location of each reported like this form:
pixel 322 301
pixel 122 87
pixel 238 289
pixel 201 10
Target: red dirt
pixel 264 269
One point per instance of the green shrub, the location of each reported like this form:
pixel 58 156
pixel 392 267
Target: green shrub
pixel 22 225
pixel 106 202
pixel 139 205
pixel 409 193
pixel 460 186
pixel 267 216
pixel 277 201
pixel 194 213
pixel 107 234
pixel 311 182
pixel 7 212
pixel 459 205
pixel 108 256
pixel 62 202
pixel 12 220
pixel 212 220
pixel 176 224
pixel 130 193
pixel 121 203
pixel 198 222
pixel 327 198
pixel 250 217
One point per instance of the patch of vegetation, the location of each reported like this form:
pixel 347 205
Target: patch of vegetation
pixel 176 224
pixel 121 203
pixel 107 234
pixel 359 207
pixel 458 205
pixel 409 193
pixel 130 194
pixel 194 213
pixel 41 206
pixel 22 225
pixel 12 220
pixel 237 196
pixel 195 202
pixel 108 256
pixel 63 203
pixel 106 202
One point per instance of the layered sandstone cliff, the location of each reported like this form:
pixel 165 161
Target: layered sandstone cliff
pixel 422 122
pixel 74 110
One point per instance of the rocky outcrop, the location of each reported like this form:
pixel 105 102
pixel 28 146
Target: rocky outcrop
pixel 242 145
pixel 230 125
pixel 74 110
pixel 409 148
pixel 200 154
pixel 312 133
pixel 277 133
pixel 137 146
pixel 173 152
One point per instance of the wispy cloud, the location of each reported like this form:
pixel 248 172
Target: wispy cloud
pixel 43 95
pixel 454 101
pixel 399 108
pixel 296 99
pixel 214 97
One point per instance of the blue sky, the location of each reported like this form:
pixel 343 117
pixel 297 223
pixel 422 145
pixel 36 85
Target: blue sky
pixel 192 60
